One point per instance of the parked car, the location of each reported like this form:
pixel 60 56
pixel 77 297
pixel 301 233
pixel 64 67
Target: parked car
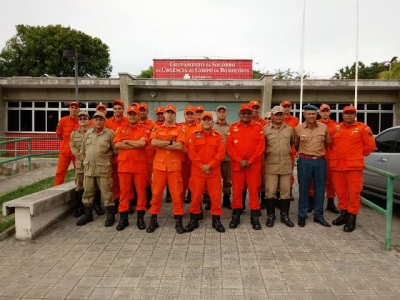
pixel 386 157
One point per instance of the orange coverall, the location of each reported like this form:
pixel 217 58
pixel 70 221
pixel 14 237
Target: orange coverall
pixel 292 121
pixel 246 143
pixel 349 146
pixel 64 128
pixel 149 125
pixel 113 124
pixel 167 169
pixel 206 149
pixel 132 168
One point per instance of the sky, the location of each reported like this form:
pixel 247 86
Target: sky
pixel 267 31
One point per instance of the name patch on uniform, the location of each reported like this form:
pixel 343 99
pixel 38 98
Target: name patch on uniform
pixel 236 141
pixel 198 135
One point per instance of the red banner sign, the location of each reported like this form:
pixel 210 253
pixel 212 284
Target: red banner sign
pixel 203 68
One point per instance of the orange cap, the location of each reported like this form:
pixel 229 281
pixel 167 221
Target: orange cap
pixel 143 105
pixel 190 108
pixel 134 104
pixel 350 108
pixel 199 108
pixel 245 107
pixel 134 109
pixel 286 102
pixel 170 107
pixel 118 102
pixel 206 114
pixel 73 103
pixel 324 106
pixel 159 109
pixel 254 103
pixel 101 106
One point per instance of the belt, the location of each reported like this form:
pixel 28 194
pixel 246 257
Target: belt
pixel 310 156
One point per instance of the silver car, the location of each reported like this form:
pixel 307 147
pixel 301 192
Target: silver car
pixel 386 157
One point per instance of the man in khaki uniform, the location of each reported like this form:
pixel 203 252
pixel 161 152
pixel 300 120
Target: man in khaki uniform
pixel 75 144
pixel 97 152
pixel 222 126
pixel 279 139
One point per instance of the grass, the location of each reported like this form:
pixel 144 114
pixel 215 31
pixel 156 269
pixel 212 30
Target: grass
pixel 8 221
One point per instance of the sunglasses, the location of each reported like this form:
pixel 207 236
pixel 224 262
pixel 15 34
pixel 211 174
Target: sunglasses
pixel 83 119
pixel 286 106
pixel 246 113
pixel 199 111
pixel 159 114
pixel 189 113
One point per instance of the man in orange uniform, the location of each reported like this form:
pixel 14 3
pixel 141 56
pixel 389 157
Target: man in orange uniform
pixel 167 139
pixel 352 141
pixel 159 111
pixel 206 150
pixel 324 112
pixel 292 121
pixel 149 124
pixel 188 127
pixel 131 140
pixel 99 108
pixel 118 119
pixel 245 144
pixel 64 128
pixel 199 112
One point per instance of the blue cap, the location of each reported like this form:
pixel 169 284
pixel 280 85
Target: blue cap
pixel 310 107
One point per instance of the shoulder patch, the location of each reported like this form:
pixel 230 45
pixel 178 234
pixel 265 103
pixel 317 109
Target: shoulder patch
pixel 154 129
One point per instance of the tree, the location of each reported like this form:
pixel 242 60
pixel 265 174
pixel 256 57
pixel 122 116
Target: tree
pixel 364 72
pixel 288 74
pixel 257 74
pixel 393 74
pixel 35 51
pixel 146 73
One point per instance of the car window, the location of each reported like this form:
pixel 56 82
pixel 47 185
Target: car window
pixel 386 142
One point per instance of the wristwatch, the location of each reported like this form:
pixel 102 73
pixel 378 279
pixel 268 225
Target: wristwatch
pixel 170 142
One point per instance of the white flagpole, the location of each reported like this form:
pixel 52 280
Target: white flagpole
pixel 302 62
pixel 356 79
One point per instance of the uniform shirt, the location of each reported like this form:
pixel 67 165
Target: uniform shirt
pixel 223 129
pixel 261 121
pixel 349 146
pixel 75 144
pixel 131 160
pixel 312 141
pixel 206 149
pixel 331 127
pixel 278 144
pixel 245 143
pixel 148 127
pixel 164 159
pixel 292 121
pixel 113 124
pixel 187 130
pixel 98 150
pixel 64 129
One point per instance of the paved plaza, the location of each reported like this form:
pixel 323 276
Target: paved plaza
pixel 94 262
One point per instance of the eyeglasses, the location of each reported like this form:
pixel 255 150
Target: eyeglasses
pixel 189 113
pixel 98 119
pixel 83 119
pixel 159 114
pixel 170 112
pixel 325 110
pixel 246 113
pixel 286 106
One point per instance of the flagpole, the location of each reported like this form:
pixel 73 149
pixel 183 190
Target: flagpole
pixel 302 62
pixel 356 78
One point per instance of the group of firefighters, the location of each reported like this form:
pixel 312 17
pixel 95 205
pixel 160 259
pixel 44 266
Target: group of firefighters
pixel 128 161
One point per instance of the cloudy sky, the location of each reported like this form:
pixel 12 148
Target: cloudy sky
pixel 267 31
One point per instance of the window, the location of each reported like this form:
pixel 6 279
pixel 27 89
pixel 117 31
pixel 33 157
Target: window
pixel 386 141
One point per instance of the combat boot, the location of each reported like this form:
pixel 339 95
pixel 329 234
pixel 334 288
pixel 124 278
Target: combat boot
pixel 80 208
pixel 244 195
pixel 179 226
pixel 132 205
pixel 350 223
pixel 123 221
pixel 201 215
pixel 116 204
pixel 235 218
pixel 86 217
pixel 285 206
pixel 254 219
pixel 149 195
pixel 342 219
pixel 217 225
pixel 226 201
pixel 153 224
pixel 331 206
pixel 270 202
pixel 110 220
pixel 140 220
pixel 263 202
pixel 193 223
pixel 97 203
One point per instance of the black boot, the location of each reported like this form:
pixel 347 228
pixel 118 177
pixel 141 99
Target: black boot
pixel 254 219
pixel 123 221
pixel 350 223
pixel 110 216
pixel 310 204
pixel 87 217
pixel 80 208
pixel 193 223
pixel 140 221
pixel 217 225
pixel 132 205
pixel 179 226
pixel 149 195
pixel 97 203
pixel 285 206
pixel 116 204
pixel 263 203
pixel 226 201
pixel 201 215
pixel 153 224
pixel 342 219
pixel 270 202
pixel 331 206
pixel 188 197
pixel 168 198
pixel 244 195
pixel 235 218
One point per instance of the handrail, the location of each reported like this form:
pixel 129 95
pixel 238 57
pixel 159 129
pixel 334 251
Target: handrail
pixel 388 212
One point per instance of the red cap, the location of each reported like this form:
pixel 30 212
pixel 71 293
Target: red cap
pixel 134 104
pixel 143 105
pixel 286 102
pixel 118 102
pixel 190 108
pixel 101 106
pixel 159 109
pixel 254 103
pixel 245 107
pixel 206 114
pixel 350 109
pixel 170 107
pixel 199 108
pixel 134 109
pixel 324 106
pixel 73 103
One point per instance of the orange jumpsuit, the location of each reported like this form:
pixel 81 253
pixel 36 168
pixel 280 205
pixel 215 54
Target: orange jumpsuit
pixel 292 121
pixel 167 169
pixel 246 143
pixel 113 124
pixel 149 125
pixel 330 191
pixel 349 146
pixel 132 168
pixel 261 121
pixel 64 128
pixel 206 149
